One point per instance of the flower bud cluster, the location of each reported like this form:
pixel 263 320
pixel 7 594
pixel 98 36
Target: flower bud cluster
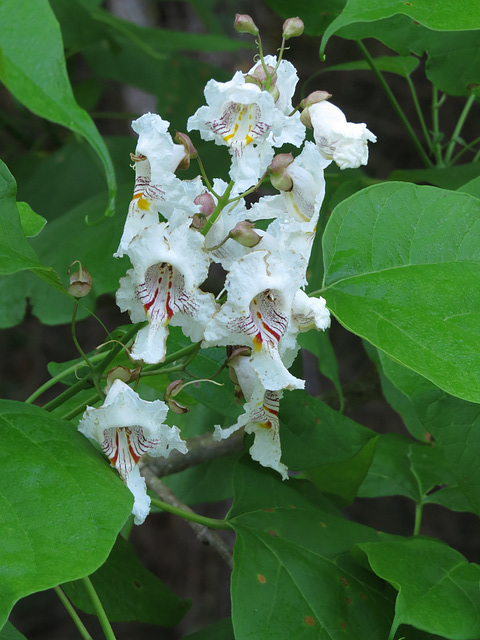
pixel 175 229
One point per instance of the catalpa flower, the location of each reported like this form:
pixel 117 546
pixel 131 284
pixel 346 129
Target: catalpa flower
pixel 298 208
pixel 339 140
pixel 260 417
pixel 163 287
pixel 245 118
pixel 127 427
pixel 261 287
pixel 157 189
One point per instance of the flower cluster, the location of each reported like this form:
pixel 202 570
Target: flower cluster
pixel 176 228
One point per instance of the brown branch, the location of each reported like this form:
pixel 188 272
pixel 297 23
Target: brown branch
pixel 203 533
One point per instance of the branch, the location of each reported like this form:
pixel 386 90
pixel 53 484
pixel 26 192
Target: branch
pixel 203 533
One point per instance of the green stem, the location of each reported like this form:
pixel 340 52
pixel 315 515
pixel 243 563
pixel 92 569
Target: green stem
pixel 63 374
pixel 418 518
pixel 437 147
pixel 85 381
pixel 211 523
pixel 467 147
pixel 419 111
pixel 99 610
pixel 205 177
pixel 458 128
pixel 73 614
pixel 81 407
pixel 81 351
pixel 221 204
pixel 395 104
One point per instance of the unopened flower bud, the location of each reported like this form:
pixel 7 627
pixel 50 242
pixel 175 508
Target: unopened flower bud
pixel 80 282
pixel 171 391
pixel 243 232
pixel 244 24
pixel 207 206
pixel 292 28
pixel 206 202
pixel 262 75
pixel 120 373
pixel 190 151
pixel 278 173
pixel 311 99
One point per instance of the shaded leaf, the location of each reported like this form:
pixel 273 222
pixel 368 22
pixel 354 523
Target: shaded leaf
pixel 439 591
pixel 128 591
pixel 36 75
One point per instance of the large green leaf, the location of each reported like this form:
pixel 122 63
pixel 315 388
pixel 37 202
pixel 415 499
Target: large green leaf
pixel 439 591
pixel 36 74
pixel 10 633
pixel 334 450
pixel 293 574
pixel 402 269
pixel 61 504
pixel 453 423
pixel 401 466
pixel 445 17
pixel 128 591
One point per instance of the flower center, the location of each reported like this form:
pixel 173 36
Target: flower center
pixel 239 125
pixel 270 324
pixel 124 446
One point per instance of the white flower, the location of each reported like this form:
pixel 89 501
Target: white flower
pixel 127 427
pixel 297 209
pixel 163 287
pixel 245 118
pixel 261 287
pixel 260 417
pixel 339 140
pixel 157 189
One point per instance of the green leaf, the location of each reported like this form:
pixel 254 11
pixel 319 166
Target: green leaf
pixel 410 283
pixel 334 450
pixel 16 254
pixel 293 574
pixel 31 222
pixel 128 591
pixel 318 343
pixel 36 75
pixel 61 504
pixel 455 177
pixel 308 10
pixel 453 423
pixel 403 467
pixel 439 591
pixel 10 633
pixel 221 630
pixel 401 65
pixel 446 16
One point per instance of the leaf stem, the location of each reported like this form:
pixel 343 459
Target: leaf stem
pixel 73 614
pixel 211 523
pixel 82 353
pixel 418 517
pixel 395 104
pixel 83 382
pixel 458 128
pixel 63 374
pixel 419 111
pixel 99 610
pixel 437 136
